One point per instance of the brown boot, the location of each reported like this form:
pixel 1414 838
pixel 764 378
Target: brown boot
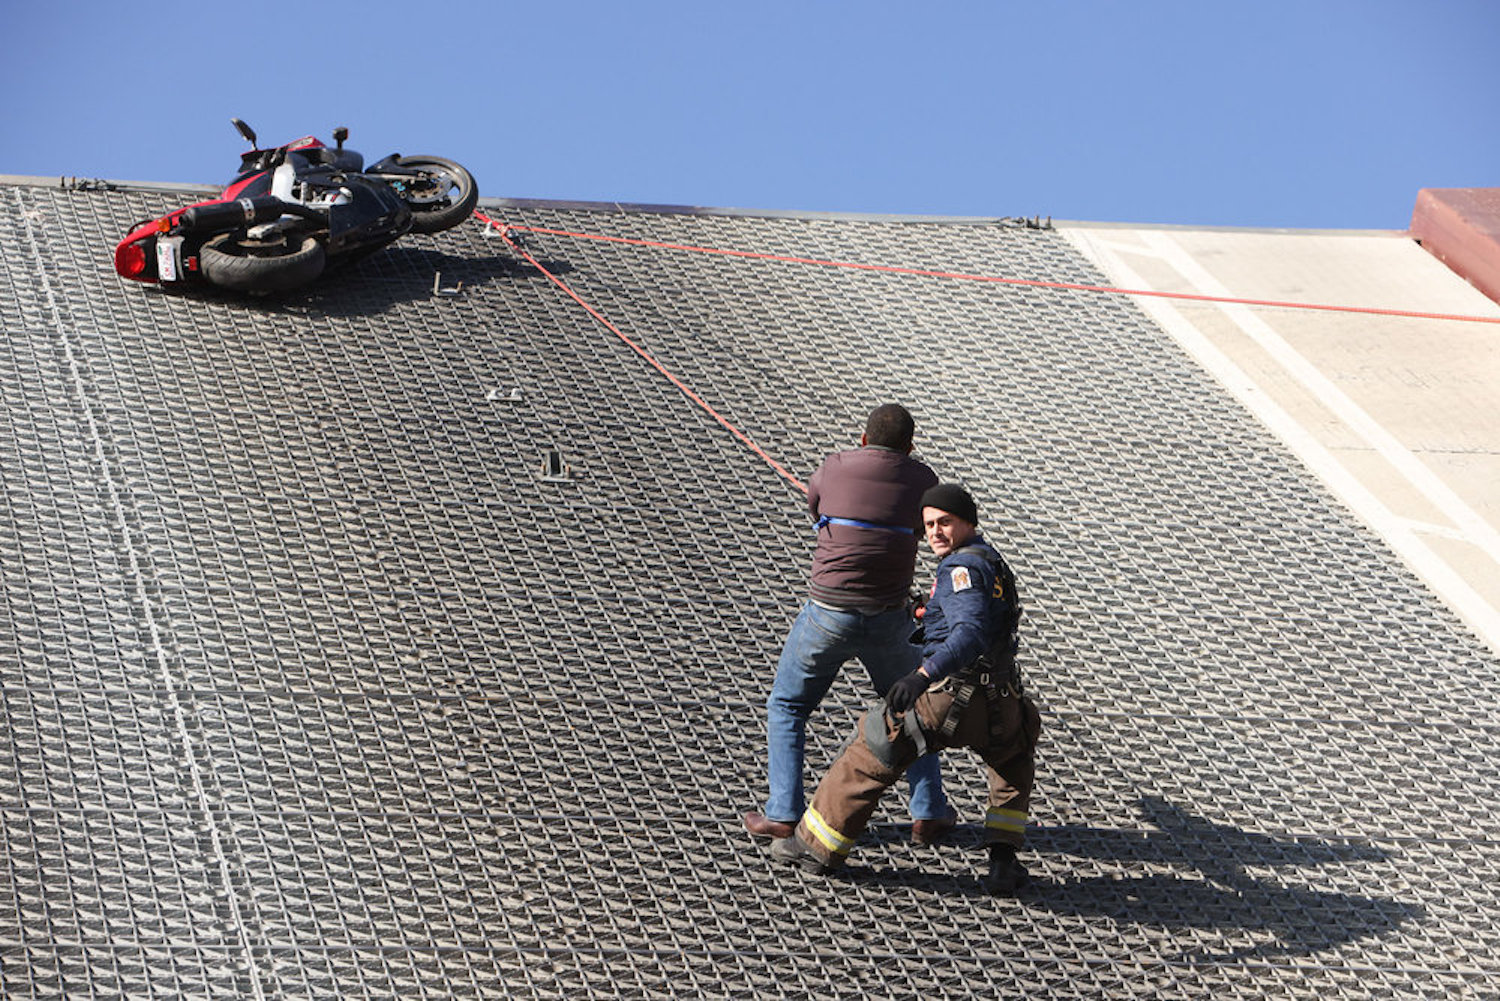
pixel 930 832
pixel 762 826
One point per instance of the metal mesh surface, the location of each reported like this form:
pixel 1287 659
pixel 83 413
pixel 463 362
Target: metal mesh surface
pixel 317 682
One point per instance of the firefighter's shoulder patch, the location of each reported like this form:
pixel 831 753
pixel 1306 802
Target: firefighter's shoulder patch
pixel 962 579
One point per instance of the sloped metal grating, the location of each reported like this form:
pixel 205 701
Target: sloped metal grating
pixel 316 683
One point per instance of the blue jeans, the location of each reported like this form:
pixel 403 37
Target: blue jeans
pixel 820 641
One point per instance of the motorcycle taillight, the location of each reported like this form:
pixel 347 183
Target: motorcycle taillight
pixel 130 260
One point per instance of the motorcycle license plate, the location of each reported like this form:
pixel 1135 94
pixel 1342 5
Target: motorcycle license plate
pixel 167 268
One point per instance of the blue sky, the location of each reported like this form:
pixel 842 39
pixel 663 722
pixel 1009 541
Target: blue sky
pixel 1295 113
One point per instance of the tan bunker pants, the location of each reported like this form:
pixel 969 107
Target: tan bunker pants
pixel 883 747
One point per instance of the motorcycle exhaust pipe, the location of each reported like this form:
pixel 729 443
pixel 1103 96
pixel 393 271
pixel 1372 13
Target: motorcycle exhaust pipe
pixel 241 212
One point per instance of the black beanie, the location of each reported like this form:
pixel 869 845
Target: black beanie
pixel 954 499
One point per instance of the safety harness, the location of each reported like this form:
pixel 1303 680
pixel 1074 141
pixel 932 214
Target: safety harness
pixel 995 670
pixel 826 520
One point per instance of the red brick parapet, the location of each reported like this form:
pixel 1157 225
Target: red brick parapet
pixel 1461 228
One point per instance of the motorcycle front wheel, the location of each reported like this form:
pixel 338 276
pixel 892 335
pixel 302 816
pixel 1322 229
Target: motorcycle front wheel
pixel 443 197
pixel 234 261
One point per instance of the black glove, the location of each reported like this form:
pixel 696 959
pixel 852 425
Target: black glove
pixel 904 693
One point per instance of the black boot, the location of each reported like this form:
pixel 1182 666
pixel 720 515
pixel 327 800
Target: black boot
pixel 791 851
pixel 1007 876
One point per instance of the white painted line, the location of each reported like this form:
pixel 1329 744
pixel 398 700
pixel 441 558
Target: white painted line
pixel 1475 529
pixel 1140 250
pixel 137 577
pixel 1397 532
pixel 1442 531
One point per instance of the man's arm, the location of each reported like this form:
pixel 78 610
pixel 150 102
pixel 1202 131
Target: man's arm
pixel 925 479
pixel 815 489
pixel 965 606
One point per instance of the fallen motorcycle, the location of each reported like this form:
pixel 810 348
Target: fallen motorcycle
pixel 294 211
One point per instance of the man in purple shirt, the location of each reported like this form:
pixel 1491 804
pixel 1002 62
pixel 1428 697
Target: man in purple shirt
pixel 867 502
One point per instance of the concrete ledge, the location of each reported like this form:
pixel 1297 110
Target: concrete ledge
pixel 1461 228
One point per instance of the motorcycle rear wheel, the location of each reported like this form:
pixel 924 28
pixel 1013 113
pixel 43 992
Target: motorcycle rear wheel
pixel 234 261
pixel 447 195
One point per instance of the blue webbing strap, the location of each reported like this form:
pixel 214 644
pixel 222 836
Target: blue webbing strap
pixel 829 520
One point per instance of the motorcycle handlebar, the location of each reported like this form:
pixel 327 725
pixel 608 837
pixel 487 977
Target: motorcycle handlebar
pixel 242 212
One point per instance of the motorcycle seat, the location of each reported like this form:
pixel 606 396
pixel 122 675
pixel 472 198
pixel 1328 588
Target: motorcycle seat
pixel 339 159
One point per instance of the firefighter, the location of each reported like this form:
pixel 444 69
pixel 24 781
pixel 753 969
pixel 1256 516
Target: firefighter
pixel 965 693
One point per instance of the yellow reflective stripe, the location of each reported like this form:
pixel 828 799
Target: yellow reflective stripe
pixel 831 839
pixel 1006 820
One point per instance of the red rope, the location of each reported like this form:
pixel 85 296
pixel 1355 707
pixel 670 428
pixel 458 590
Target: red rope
pixel 504 235
pixel 504 230
pixel 995 279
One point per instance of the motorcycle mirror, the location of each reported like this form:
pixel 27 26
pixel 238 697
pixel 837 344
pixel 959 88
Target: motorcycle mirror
pixel 244 130
pixel 339 135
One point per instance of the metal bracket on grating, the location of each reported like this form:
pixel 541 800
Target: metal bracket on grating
pixel 437 285
pixel 554 470
pixel 85 184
